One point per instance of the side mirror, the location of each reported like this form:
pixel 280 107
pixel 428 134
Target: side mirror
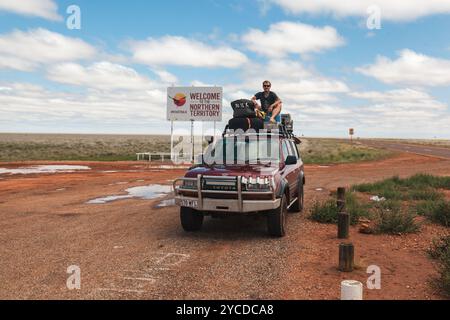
pixel 290 160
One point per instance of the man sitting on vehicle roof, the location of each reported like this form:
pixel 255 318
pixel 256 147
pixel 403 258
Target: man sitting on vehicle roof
pixel 270 103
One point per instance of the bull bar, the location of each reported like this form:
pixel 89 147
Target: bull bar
pixel 202 203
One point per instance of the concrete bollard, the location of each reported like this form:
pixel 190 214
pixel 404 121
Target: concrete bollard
pixel 351 290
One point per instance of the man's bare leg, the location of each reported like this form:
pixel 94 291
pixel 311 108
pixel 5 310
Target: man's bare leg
pixel 275 112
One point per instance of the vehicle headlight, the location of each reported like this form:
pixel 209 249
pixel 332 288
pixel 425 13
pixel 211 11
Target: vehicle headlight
pixel 189 184
pixel 256 183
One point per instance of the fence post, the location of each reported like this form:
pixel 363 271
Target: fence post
pixel 343 225
pixel 346 257
pixel 343 217
pixel 340 199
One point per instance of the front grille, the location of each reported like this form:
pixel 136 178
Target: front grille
pixel 219 185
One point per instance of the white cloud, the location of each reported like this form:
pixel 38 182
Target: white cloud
pixel 101 75
pixel 407 112
pixel 27 50
pixel 399 10
pixel 46 9
pixel 410 68
pixel 166 76
pixel 285 37
pixel 173 50
pixel 402 100
pixel 24 106
pixel 290 79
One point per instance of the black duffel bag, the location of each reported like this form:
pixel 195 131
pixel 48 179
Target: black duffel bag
pixel 246 123
pixel 243 108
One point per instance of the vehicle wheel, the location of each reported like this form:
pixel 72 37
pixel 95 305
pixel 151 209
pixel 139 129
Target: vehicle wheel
pixel 297 206
pixel 191 220
pixel 276 219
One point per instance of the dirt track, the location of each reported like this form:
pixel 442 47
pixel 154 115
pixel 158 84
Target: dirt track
pixel 128 249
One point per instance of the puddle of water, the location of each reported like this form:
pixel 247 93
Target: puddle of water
pixel 166 203
pixel 61 189
pixel 319 189
pixel 43 169
pixel 149 192
pixel 110 171
pixel 324 166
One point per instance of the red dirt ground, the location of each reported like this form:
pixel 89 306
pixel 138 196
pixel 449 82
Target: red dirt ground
pixel 129 249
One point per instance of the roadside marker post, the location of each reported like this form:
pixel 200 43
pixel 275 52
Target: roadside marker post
pixel 346 257
pixel 351 132
pixel 343 217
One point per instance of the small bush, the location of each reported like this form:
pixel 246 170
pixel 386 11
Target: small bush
pixel 388 188
pixel 417 187
pixel 440 251
pixel 427 180
pixel 394 221
pixel 440 248
pixel 436 211
pixel 326 212
pixel 425 194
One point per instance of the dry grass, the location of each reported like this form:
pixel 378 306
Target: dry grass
pixel 328 151
pixel 19 147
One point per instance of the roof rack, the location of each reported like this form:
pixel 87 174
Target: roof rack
pixel 285 128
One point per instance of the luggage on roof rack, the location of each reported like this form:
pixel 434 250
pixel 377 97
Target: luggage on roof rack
pixel 243 108
pixel 246 124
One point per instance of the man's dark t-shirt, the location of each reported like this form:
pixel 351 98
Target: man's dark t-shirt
pixel 266 102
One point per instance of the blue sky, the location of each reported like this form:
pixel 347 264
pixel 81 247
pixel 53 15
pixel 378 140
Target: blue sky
pixel 329 69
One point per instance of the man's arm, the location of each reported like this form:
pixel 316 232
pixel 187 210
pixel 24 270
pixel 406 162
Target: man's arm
pixel 257 106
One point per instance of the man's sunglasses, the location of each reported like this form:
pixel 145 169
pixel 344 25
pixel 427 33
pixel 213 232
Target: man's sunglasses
pixel 266 86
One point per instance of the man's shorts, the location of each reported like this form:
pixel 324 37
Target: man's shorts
pixel 269 115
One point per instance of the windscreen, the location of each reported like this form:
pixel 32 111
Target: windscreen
pixel 243 150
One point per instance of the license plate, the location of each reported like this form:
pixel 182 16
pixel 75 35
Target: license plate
pixel 189 203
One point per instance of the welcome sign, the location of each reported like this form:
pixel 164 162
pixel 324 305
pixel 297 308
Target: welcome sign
pixel 194 103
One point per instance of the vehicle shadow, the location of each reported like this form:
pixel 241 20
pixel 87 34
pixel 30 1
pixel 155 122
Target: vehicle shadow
pixel 232 228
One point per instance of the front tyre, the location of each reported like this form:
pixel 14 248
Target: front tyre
pixel 191 220
pixel 276 219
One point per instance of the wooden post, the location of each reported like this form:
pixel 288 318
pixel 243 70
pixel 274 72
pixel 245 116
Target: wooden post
pixel 340 199
pixel 346 257
pixel 343 225
pixel 343 217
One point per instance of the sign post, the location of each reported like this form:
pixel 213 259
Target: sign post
pixel 351 132
pixel 194 104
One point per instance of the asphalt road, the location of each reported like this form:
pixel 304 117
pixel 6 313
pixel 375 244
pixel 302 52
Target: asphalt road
pixel 427 150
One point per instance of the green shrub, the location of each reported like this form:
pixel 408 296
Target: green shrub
pixel 426 180
pixel 394 221
pixel 425 194
pixel 417 187
pixel 440 248
pixel 326 212
pixel 437 211
pixel 388 188
pixel 440 251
